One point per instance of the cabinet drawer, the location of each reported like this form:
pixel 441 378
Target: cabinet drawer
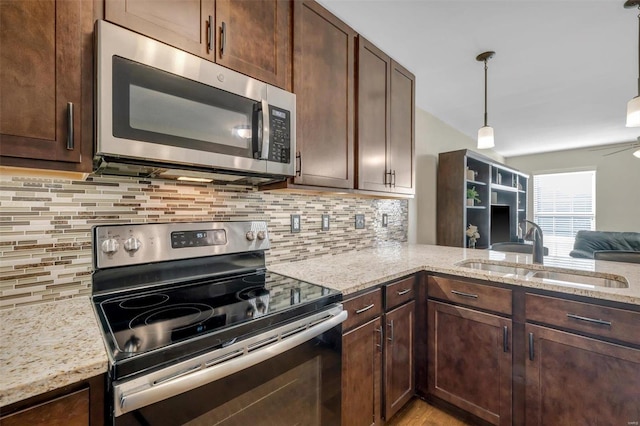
pixel 465 293
pixel 612 323
pixel 363 308
pixel 72 409
pixel 399 292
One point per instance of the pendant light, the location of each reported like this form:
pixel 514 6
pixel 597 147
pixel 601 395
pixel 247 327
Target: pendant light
pixel 485 134
pixel 633 107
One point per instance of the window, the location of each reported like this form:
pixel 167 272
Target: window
pixel 563 204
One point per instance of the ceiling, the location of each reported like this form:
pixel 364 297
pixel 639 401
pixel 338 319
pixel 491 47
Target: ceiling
pixel 561 78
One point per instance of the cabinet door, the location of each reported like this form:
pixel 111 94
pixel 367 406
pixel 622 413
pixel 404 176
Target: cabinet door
pixel 68 410
pixel 572 379
pixel 373 117
pixel 323 81
pixel 180 23
pixel 40 79
pixel 470 360
pixel 361 365
pixel 402 129
pixel 399 383
pixel 254 39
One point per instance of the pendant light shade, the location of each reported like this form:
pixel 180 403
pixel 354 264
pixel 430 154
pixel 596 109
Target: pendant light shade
pixel 485 138
pixel 633 107
pixel 485 134
pixel 633 112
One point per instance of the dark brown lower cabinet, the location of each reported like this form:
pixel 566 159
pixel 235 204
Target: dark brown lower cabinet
pixel 399 371
pixel 361 369
pixel 68 410
pixel 576 380
pixel 470 360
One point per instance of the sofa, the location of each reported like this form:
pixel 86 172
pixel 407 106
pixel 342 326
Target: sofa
pixel 589 242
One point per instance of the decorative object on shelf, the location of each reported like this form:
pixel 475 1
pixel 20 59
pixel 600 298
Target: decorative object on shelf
pixel 485 134
pixel 472 196
pixel 494 197
pixel 633 107
pixel 471 174
pixel 473 235
pixel 499 179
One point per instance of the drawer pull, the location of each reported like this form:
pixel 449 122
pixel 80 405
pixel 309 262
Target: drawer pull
pixel 591 320
pixel 403 292
pixel 531 354
pixel 469 295
pixel 365 309
pixel 379 346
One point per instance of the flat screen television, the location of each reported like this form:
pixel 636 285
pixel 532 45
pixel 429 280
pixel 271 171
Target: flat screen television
pixel 500 224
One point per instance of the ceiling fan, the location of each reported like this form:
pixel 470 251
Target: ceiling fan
pixel 621 148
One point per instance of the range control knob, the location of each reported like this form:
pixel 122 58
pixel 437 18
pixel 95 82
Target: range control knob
pixel 250 236
pixel 132 244
pixel 262 235
pixel 110 246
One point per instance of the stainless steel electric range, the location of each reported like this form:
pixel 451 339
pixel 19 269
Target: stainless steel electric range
pixel 199 332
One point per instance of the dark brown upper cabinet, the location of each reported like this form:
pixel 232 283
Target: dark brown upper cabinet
pixel 386 122
pixel 251 37
pixel 45 81
pixel 323 81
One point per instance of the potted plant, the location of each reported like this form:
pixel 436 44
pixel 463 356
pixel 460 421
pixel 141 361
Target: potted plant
pixel 472 196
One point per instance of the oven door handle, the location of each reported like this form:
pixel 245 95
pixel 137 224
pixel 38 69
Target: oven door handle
pixel 136 399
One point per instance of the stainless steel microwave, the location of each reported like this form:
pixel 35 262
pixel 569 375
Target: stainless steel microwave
pixel 164 112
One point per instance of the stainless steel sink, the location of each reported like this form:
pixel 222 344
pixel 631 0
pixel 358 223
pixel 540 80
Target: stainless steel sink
pixel 593 279
pixel 583 279
pixel 495 267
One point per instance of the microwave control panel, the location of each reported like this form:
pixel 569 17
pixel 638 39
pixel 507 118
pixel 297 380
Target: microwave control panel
pixel 280 138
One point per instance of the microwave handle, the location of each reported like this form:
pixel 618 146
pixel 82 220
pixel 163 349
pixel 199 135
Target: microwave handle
pixel 263 136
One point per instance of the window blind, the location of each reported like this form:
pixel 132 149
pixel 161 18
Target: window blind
pixel 563 204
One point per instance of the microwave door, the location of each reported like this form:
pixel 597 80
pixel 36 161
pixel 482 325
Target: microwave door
pixel 170 118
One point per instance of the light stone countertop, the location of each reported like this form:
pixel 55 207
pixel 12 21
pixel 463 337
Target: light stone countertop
pixel 48 346
pixel 356 271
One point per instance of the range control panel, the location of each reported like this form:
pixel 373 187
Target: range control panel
pixel 121 245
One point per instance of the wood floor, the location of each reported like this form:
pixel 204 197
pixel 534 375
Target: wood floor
pixel 419 413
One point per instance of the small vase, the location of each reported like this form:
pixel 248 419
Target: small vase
pixel 472 243
pixel 470 201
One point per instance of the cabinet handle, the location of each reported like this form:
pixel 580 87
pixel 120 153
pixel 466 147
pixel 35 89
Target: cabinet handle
pixel 70 141
pixel 299 159
pixel 505 339
pixel 402 292
pixel 223 38
pixel 531 354
pixel 210 34
pixel 469 295
pixel 379 346
pixel 365 309
pixel 394 178
pixel 387 182
pixel 390 338
pixel 591 320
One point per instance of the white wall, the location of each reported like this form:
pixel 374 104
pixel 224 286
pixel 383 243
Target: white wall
pixel 433 136
pixel 617 181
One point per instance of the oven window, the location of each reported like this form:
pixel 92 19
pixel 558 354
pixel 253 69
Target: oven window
pixel 299 387
pixel 163 108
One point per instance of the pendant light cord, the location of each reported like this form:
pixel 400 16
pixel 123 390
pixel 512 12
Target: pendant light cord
pixel 485 89
pixel 639 51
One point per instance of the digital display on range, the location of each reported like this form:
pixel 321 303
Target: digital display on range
pixel 211 237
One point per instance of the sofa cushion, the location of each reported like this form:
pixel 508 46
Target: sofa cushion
pixel 588 242
pixel 617 256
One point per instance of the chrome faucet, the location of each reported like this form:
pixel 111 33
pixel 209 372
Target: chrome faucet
pixel 535 235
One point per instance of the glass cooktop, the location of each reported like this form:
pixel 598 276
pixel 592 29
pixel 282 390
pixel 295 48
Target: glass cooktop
pixel 170 322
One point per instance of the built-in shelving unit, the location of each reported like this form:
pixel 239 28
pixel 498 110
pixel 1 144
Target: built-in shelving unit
pixel 502 192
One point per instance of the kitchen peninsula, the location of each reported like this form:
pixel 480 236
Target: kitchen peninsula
pixel 354 273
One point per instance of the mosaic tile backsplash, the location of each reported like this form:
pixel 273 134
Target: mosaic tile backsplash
pixel 45 225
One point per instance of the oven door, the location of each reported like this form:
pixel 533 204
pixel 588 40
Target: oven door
pixel 287 376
